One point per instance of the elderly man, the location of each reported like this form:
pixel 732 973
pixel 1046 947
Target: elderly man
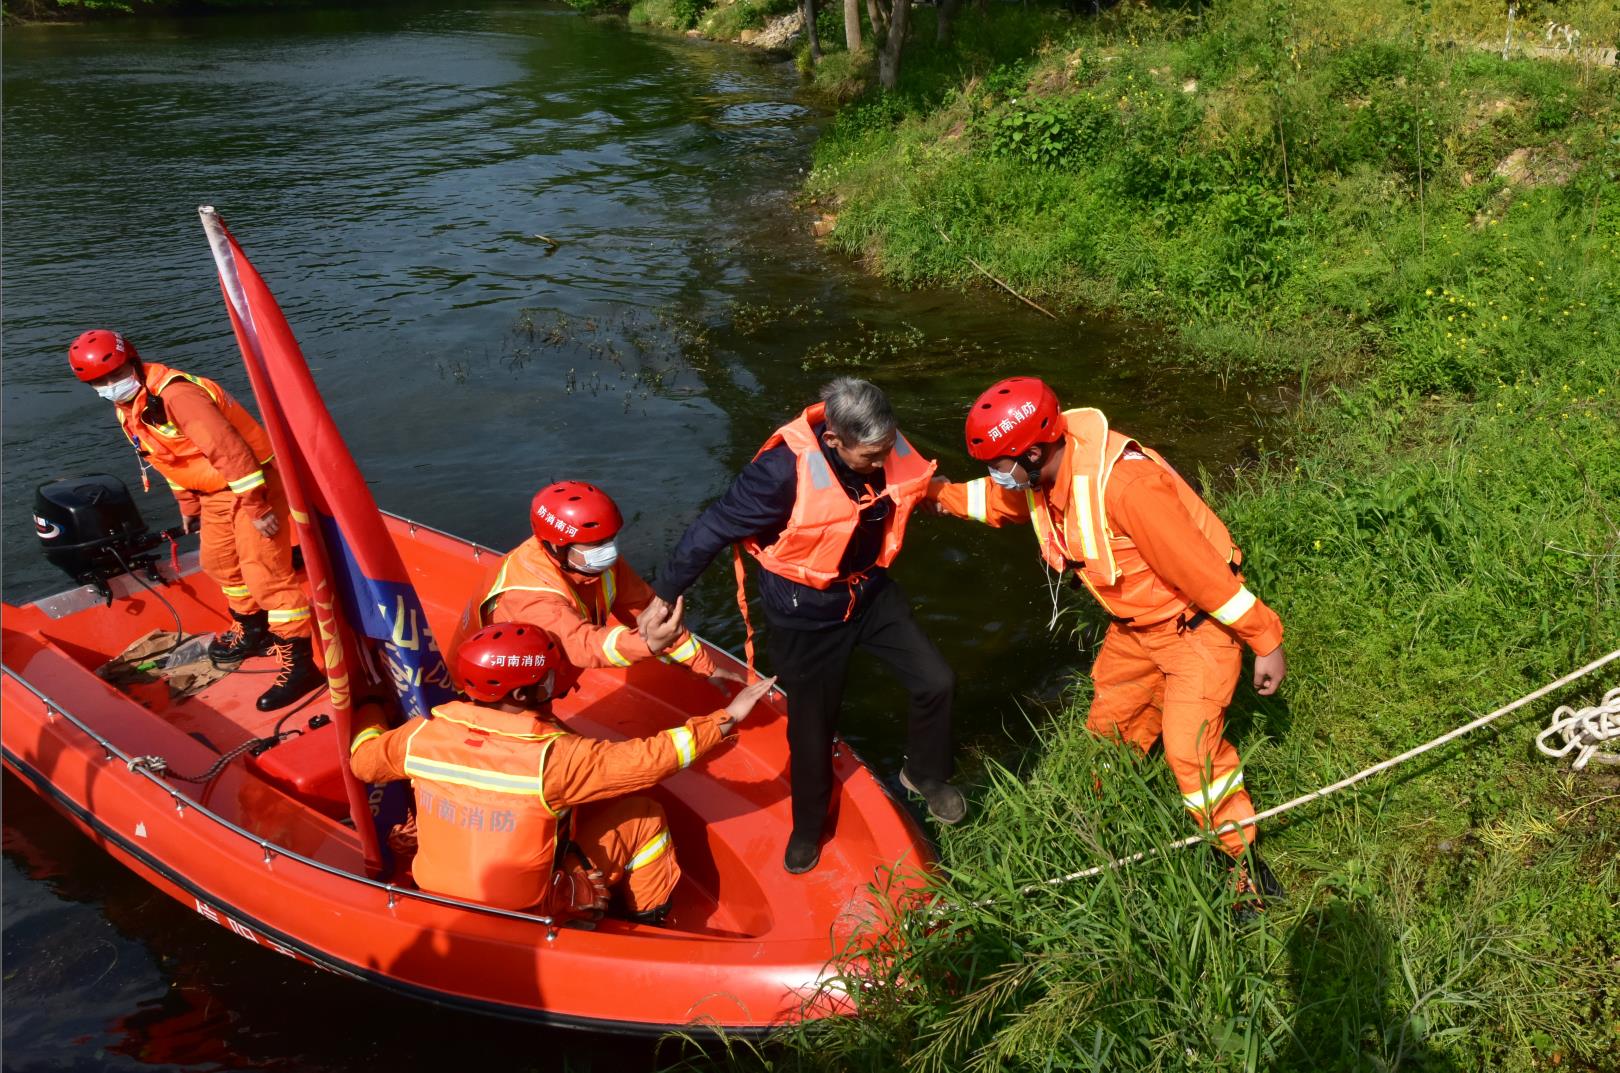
pixel 823 508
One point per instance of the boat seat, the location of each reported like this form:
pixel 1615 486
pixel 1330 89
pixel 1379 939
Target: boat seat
pixel 306 767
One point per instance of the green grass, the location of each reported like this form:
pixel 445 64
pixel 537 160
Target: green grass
pixel 1426 239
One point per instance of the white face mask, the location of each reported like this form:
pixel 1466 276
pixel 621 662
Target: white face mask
pixel 121 391
pixel 598 559
pixel 1007 480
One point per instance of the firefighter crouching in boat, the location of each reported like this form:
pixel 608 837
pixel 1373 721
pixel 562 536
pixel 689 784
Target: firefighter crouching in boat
pixel 516 812
pixel 1164 569
pixel 569 580
pixel 823 507
pixel 218 463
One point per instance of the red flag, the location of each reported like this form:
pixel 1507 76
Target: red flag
pixel 374 637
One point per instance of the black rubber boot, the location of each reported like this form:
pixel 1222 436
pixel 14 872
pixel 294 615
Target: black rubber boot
pixel 249 635
pixel 298 676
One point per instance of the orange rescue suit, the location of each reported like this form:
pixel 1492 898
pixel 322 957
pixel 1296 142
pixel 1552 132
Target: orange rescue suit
pixel 494 790
pixel 1160 562
pixel 811 546
pixel 594 618
pixel 217 461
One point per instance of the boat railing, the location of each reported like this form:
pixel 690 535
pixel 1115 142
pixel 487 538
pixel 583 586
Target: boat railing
pixel 270 849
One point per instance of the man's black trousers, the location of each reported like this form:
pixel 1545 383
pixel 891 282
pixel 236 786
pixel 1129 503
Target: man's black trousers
pixel 812 666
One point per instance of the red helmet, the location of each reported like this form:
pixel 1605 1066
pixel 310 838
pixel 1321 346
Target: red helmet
pixel 509 655
pixel 573 512
pixel 98 352
pixel 1011 417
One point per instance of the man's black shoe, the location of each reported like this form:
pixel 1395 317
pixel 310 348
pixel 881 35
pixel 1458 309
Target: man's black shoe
pixel 248 636
pixel 945 802
pixel 802 854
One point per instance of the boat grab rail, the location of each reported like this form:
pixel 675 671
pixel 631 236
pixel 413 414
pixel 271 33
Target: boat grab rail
pixel 270 849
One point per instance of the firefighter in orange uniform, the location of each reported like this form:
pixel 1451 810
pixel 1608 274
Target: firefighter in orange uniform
pixel 218 463
pixel 568 579
pixel 514 811
pixel 1165 570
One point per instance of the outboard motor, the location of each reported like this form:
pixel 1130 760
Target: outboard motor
pixel 90 529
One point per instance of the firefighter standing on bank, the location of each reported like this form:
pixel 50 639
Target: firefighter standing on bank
pixel 218 463
pixel 516 812
pixel 1165 570
pixel 823 508
pixel 569 580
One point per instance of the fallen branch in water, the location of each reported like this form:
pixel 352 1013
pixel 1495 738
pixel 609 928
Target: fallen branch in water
pixel 997 281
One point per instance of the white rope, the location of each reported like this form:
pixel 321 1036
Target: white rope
pixel 1610 725
pixel 1586 730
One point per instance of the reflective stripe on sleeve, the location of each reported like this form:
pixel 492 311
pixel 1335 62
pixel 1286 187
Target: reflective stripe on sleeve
pixel 1210 797
pixel 685 744
pixel 610 647
pixel 296 614
pixel 685 651
pixel 976 491
pixel 243 485
pixel 1235 608
pixel 650 852
pixel 363 737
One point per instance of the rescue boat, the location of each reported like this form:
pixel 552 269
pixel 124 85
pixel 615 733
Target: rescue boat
pixel 262 843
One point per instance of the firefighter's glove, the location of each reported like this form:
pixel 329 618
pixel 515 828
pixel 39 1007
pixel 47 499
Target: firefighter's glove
pixel 576 889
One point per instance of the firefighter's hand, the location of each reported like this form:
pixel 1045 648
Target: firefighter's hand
pixel 1269 671
pixel 932 503
pixel 268 526
pixel 724 677
pixel 190 523
pixel 660 623
pixel 744 702
pixel 579 890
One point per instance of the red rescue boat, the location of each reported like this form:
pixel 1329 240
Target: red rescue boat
pixel 266 848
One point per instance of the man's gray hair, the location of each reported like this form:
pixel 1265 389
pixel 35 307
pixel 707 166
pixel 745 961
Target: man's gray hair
pixel 857 411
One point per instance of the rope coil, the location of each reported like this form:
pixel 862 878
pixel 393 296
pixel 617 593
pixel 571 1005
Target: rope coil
pixel 1585 729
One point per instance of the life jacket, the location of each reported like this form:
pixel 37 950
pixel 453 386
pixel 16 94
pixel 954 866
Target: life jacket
pixel 811 546
pixel 172 453
pixel 1079 535
pixel 530 568
pixel 485 832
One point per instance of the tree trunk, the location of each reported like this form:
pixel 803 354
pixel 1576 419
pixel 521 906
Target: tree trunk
pixel 852 25
pixel 946 12
pixel 874 12
pixel 807 8
pixel 889 57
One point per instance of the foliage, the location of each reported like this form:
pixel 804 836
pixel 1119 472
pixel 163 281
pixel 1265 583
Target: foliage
pixel 1313 191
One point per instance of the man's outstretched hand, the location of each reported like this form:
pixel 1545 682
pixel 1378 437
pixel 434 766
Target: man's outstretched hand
pixel 660 623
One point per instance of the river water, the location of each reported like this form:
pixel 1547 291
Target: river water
pixel 391 171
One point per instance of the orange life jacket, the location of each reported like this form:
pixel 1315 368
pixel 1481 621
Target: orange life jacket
pixel 530 568
pixel 172 453
pixel 485 832
pixel 1109 563
pixel 811 546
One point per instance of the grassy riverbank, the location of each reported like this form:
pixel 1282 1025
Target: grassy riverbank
pixel 1349 196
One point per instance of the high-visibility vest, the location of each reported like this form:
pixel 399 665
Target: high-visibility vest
pixel 530 568
pixel 173 454
pixel 824 519
pixel 1108 562
pixel 484 830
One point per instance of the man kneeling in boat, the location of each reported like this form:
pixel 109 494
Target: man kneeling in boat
pixel 217 460
pixel 514 811
pixel 569 580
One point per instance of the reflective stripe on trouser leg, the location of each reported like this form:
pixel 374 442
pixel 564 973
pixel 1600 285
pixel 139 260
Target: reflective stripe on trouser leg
pixel 266 562
pixel 612 834
pixel 1201 670
pixel 1127 691
pixel 217 552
